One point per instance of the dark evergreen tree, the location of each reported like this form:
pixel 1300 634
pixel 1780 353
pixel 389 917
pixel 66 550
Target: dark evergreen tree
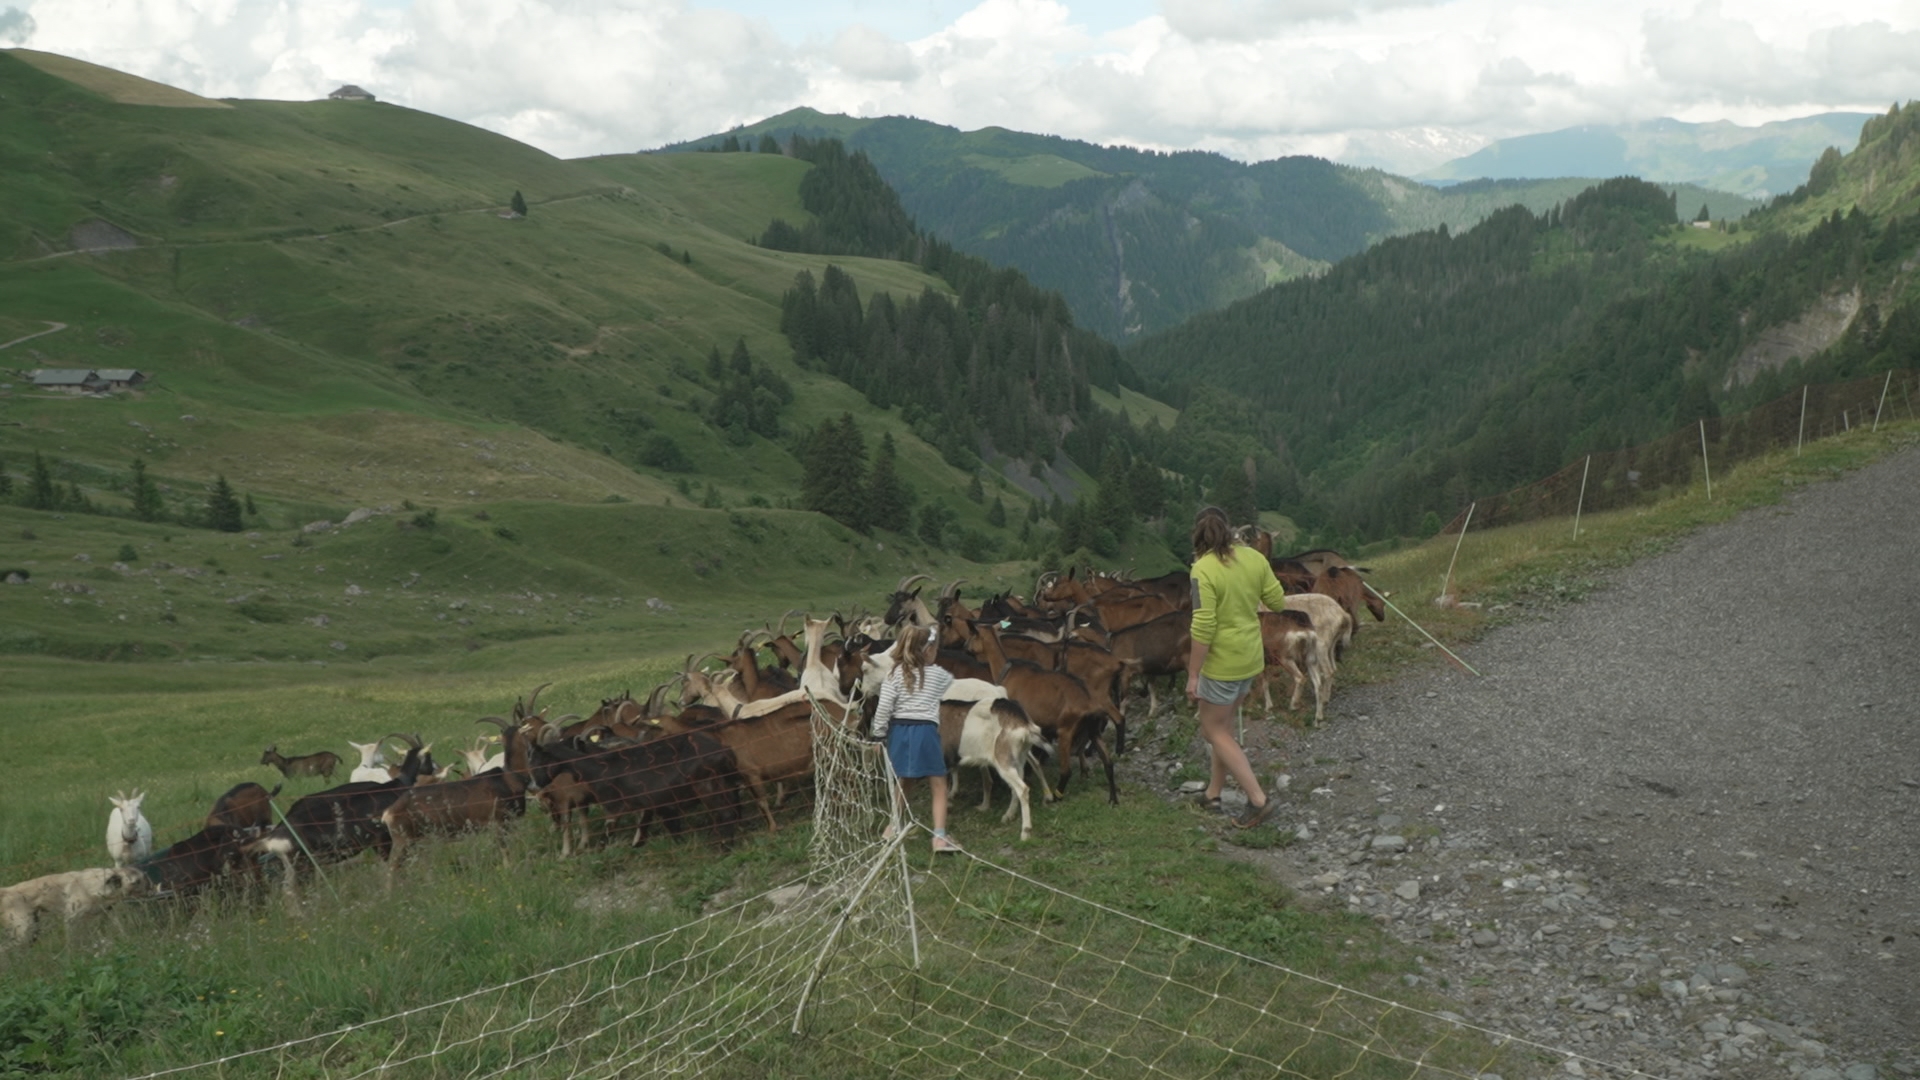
pixel 889 502
pixel 42 494
pixel 997 513
pixel 975 492
pixel 1232 493
pixel 518 204
pixel 768 145
pixel 223 507
pixel 935 520
pixel 833 476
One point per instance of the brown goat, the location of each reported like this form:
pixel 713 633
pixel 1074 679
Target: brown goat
pixel 244 806
pixel 1345 584
pixel 768 749
pixel 1060 703
pixel 1158 648
pixel 452 807
pixel 1291 645
pixel 320 764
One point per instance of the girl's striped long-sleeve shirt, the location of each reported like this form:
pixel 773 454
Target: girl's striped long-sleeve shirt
pixel 922 704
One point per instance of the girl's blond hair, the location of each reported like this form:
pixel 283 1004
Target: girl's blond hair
pixel 912 652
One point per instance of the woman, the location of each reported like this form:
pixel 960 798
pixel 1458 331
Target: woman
pixel 1230 582
pixel 908 717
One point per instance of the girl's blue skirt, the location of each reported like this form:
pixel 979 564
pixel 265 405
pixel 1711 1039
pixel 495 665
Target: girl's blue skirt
pixel 914 747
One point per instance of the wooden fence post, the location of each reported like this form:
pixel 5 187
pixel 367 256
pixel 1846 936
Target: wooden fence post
pixel 1703 459
pixel 1577 507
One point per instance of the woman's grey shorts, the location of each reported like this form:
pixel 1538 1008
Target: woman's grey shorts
pixel 1224 692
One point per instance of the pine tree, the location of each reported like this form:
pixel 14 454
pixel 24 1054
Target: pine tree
pixel 518 204
pixel 833 477
pixel 223 507
pixel 997 513
pixel 1703 215
pixel 889 502
pixel 41 492
pixel 145 494
pixel 1232 493
pixel 975 492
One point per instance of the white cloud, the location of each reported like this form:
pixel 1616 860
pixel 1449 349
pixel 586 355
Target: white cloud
pixel 1245 20
pixel 16 26
pixel 1385 80
pixel 865 53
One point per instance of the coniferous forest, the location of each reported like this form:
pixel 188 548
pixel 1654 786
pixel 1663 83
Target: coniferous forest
pixel 1403 381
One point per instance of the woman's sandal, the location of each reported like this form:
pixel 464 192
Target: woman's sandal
pixel 1211 806
pixel 1256 815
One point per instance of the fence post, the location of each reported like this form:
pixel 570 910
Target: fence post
pixel 1446 584
pixel 1802 443
pixel 1578 506
pixel 1703 459
pixel 1883 399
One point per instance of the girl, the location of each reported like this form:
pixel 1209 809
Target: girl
pixel 1230 582
pixel 909 719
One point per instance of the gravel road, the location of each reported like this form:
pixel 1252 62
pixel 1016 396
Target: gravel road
pixel 1672 827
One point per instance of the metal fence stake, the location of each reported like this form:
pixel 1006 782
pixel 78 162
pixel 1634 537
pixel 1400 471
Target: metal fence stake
pixel 1883 399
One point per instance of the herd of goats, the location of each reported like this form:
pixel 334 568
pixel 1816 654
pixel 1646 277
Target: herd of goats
pixel 1048 674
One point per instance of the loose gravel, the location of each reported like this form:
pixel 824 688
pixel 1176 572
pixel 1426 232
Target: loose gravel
pixel 1671 828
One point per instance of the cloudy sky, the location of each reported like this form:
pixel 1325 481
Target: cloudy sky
pixel 1402 83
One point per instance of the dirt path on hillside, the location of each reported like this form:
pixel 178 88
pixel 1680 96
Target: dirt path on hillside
pixel 52 328
pixel 1673 827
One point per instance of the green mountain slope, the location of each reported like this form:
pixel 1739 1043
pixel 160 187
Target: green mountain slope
pixel 1768 159
pixel 1438 366
pixel 336 310
pixel 1137 240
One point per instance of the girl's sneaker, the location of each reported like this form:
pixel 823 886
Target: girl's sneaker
pixel 944 845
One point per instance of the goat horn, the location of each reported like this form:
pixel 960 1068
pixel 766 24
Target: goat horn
pixel 562 720
pixel 910 579
pixel 952 590
pixel 410 740
pixel 500 722
pixel 703 660
pixel 535 696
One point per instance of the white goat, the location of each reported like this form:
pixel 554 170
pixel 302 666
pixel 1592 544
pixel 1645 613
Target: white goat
pixel 477 759
pixel 129 836
pixel 373 763
pixel 983 727
pixel 70 895
pixel 817 677
pixel 1333 628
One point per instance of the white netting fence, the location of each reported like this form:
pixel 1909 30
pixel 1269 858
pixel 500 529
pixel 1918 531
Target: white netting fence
pixel 877 964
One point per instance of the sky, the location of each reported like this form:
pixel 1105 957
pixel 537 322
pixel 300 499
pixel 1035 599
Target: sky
pixel 1403 84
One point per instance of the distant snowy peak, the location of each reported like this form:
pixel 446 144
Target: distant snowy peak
pixel 1408 151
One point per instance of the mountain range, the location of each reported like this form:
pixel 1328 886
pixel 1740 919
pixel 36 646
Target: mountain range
pixel 1761 161
pixel 1138 240
pixel 341 304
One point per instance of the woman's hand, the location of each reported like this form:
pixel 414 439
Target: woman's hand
pixel 1193 686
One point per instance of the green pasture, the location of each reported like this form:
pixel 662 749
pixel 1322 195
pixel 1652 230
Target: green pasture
pixel 189 724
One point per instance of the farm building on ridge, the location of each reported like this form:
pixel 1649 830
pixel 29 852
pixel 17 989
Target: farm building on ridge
pixel 350 92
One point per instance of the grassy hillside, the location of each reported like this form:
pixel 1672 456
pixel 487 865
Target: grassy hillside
pixel 1138 241
pixel 337 311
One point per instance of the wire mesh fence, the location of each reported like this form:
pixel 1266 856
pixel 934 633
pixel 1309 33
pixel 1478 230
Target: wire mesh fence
pixel 1610 480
